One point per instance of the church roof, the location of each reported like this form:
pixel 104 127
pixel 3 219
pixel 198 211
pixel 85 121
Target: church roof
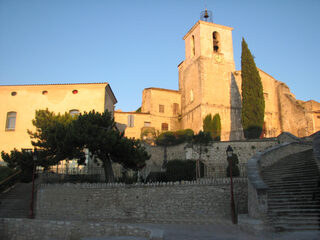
pixel 162 89
pixel 206 23
pixel 52 84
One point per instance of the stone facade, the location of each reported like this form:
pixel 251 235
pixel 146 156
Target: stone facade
pixel 184 202
pixel 209 83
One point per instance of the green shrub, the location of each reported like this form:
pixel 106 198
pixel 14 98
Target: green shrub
pixel 156 177
pixel 170 138
pixel 181 170
pixel 166 139
pixel 184 135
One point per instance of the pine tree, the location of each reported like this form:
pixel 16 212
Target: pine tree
pixel 252 95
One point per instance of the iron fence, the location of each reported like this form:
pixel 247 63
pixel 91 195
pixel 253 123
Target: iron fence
pixel 83 174
pixel 96 174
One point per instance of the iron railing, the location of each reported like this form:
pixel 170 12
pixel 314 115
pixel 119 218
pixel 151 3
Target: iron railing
pixel 9 181
pixel 96 174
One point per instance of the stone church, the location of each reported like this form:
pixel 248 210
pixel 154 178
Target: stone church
pixel 209 83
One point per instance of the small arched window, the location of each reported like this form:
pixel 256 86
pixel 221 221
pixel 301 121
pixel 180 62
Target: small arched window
pixel 74 112
pixel 193 48
pixel 164 126
pixel 191 95
pixel 216 41
pixel 11 121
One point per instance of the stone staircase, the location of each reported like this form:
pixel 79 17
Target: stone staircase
pixel 294 193
pixel 15 203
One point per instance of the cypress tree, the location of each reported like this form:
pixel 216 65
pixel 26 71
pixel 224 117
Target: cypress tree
pixel 216 127
pixel 253 105
pixel 207 123
pixel 212 125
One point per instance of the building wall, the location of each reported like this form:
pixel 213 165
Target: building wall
pixel 167 202
pixel 151 99
pixel 139 122
pixel 58 98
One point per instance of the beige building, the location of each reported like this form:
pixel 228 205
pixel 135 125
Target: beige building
pixel 209 83
pixel 19 103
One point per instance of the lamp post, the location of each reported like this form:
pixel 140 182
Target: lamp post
pixel 229 152
pixel 35 158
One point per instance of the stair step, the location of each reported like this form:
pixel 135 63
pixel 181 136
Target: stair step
pixel 289 228
pixel 293 200
pixel 293 206
pixel 294 184
pixel 290 174
pixel 307 179
pixel 293 165
pixel 293 218
pixel 282 192
pixel 295 212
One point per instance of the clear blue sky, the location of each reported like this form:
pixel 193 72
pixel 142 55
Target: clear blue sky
pixel 138 44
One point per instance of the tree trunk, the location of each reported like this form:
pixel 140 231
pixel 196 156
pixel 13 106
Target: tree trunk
pixel 108 171
pixel 165 160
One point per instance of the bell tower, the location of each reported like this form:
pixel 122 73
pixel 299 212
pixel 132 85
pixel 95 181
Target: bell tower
pixel 206 74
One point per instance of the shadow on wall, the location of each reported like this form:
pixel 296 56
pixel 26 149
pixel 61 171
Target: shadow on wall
pixel 236 132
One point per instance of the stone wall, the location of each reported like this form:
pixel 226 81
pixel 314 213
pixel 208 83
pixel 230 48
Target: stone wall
pixel 316 148
pixel 214 155
pixel 35 229
pixel 206 201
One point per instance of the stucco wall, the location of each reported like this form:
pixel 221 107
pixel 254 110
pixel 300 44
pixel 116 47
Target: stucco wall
pixel 59 99
pixel 185 202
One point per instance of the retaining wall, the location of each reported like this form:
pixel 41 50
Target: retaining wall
pixel 34 229
pixel 206 201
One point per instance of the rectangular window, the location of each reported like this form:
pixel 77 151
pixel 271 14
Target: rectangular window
pixel 161 108
pixel 147 124
pixel 175 108
pixel 130 120
pixel 11 121
pixel 164 127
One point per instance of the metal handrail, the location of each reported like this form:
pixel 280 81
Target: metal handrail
pixel 9 181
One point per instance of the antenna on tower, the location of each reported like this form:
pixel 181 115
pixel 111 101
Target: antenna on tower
pixel 206 16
